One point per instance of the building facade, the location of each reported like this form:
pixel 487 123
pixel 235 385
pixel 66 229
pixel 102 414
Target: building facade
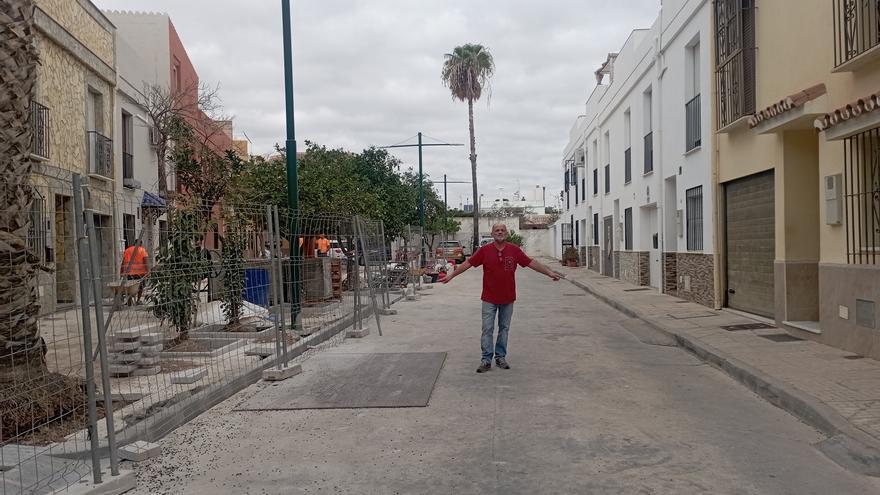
pixel 798 142
pixel 73 121
pixel 638 195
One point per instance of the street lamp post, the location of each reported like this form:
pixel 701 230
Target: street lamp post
pixel 290 149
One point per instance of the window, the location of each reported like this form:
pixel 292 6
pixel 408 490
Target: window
pixel 694 205
pixel 577 234
pixel 628 229
pixel 861 186
pixel 734 59
pixel 574 182
pixel 127 139
pixel 692 94
pixel 128 230
pixel 627 153
pixel 649 134
pixel 595 229
pixel 595 181
pixel 607 179
pixel 39 120
pixel 583 189
pixel 175 75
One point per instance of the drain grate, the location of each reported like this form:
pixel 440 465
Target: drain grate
pixel 781 337
pixel 637 290
pixel 854 356
pixel 746 326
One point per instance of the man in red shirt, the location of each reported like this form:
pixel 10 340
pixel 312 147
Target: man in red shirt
pixel 499 260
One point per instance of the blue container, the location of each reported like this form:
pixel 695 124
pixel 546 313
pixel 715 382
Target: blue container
pixel 256 286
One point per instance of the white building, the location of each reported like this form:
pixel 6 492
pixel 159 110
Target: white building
pixel 637 200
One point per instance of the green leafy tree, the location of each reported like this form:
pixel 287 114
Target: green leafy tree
pixel 514 238
pixel 179 269
pixel 232 266
pixel 466 71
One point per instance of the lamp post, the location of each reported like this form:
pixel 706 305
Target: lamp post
pixel 420 145
pixel 290 149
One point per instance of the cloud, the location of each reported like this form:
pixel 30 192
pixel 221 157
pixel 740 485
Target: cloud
pixel 368 73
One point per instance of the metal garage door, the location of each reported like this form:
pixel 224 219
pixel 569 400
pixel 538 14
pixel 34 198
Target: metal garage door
pixel 751 246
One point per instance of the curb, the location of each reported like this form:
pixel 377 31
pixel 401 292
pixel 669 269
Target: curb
pixel 845 445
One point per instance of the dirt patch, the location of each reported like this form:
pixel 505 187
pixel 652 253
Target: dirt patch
pixel 197 345
pixel 175 365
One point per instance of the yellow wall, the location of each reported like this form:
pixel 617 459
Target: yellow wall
pixel 82 26
pixel 795 50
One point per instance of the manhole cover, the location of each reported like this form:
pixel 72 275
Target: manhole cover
pixel 746 326
pixel 636 290
pixel 781 337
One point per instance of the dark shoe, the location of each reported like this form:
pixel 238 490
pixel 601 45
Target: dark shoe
pixel 502 363
pixel 484 367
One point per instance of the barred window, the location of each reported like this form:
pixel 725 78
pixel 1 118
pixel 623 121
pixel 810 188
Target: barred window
pixel 595 229
pixel 694 205
pixel 37 229
pixel 862 197
pixel 628 229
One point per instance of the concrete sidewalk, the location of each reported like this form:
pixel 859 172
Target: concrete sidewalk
pixel 830 389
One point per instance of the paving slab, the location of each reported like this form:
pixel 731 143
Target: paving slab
pixel 189 376
pixel 139 451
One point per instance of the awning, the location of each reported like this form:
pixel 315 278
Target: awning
pixel 851 118
pixel 152 201
pixel 794 112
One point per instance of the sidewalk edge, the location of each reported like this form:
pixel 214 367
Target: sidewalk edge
pixel 864 453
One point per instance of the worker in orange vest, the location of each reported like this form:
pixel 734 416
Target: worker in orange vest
pixel 323 245
pixel 135 267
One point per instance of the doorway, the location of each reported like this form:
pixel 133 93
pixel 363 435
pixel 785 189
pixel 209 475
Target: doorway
pixel 608 251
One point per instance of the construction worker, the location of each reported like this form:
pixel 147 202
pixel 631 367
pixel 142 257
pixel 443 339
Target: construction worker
pixel 135 266
pixel 323 245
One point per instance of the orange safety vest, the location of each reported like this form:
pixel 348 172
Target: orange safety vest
pixel 323 245
pixel 138 264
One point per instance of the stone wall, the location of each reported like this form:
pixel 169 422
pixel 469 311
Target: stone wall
pixel 634 267
pixel 670 273
pixel 594 254
pixel 615 264
pixel 86 23
pixel 695 277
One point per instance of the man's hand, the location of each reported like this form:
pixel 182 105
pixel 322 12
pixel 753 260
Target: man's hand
pixel 557 276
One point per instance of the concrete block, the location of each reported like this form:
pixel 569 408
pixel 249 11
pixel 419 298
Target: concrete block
pixel 147 371
pixel 127 334
pixel 413 297
pixel 121 369
pixel 151 350
pixel 274 374
pixel 139 451
pixel 124 346
pixel 151 338
pixel 111 485
pixel 148 361
pixel 189 376
pixel 357 334
pixel 387 312
pixel 125 357
pixel 126 396
pixel 262 350
pixel 427 287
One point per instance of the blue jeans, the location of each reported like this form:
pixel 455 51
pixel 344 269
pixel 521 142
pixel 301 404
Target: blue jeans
pixel 505 312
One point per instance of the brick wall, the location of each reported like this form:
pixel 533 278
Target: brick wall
pixel 615 258
pixel 670 273
pixel 695 280
pixel 594 253
pixel 634 267
pixel 644 268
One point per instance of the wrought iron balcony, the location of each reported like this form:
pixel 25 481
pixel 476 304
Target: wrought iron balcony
pixel 734 60
pixel 693 133
pixel 39 120
pixel 856 28
pixel 627 166
pixel 100 154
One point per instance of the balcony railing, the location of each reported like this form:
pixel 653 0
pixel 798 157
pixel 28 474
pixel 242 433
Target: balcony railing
pixel 39 120
pixel 649 152
pixel 693 137
pixel 856 28
pixel 627 166
pixel 100 150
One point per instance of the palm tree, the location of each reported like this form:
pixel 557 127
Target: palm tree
pixel 21 354
pixel 465 72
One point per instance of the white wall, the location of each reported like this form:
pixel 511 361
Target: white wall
pixel 147 36
pixel 538 242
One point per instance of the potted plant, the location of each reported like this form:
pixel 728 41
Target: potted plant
pixel 570 256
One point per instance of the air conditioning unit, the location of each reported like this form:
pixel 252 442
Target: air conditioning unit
pixel 155 136
pixel 833 199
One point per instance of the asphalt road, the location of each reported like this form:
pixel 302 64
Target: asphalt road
pixel 595 403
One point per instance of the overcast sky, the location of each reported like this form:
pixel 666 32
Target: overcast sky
pixel 367 72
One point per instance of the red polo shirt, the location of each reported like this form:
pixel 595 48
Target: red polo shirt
pixel 499 266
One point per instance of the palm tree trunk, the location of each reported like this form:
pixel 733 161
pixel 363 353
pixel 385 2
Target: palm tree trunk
pixel 474 175
pixel 21 350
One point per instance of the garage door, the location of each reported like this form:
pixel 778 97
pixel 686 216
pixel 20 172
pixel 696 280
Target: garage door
pixel 751 246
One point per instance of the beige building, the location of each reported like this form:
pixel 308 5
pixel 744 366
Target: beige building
pixel 73 123
pixel 798 148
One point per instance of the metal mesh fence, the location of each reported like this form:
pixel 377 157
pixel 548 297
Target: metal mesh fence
pixel 195 301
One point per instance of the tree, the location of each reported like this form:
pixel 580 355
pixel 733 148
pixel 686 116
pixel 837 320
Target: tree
pixel 465 72
pixel 166 108
pixel 514 238
pixel 232 266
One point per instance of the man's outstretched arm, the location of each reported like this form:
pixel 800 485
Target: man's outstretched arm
pixel 540 268
pixel 458 271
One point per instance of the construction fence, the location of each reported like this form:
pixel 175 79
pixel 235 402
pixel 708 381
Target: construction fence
pixel 135 315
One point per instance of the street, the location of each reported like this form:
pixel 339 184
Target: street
pixel 594 402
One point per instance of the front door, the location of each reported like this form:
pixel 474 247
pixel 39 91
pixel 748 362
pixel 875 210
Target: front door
pixel 654 247
pixel 608 248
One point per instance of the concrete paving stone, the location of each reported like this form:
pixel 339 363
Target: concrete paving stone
pixel 261 350
pixel 147 371
pixel 122 334
pixel 149 361
pixel 124 346
pixel 151 350
pixel 357 334
pixel 139 451
pixel 151 338
pixel 125 357
pixel 122 369
pixel 189 376
pixel 275 375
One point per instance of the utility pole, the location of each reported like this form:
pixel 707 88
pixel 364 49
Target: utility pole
pixel 421 185
pixel 290 149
